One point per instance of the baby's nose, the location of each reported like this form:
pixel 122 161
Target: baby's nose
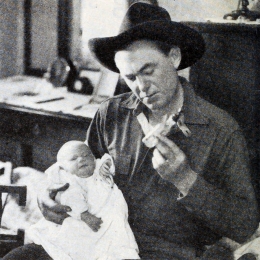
pixel 80 159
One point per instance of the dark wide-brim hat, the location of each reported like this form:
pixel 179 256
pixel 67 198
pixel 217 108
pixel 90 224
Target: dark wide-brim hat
pixel 150 22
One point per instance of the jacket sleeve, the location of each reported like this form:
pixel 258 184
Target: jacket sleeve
pixel 95 134
pixel 229 208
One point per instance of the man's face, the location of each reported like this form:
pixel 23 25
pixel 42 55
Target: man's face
pixel 77 160
pixel 150 74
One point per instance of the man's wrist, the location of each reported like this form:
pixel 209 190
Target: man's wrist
pixel 185 183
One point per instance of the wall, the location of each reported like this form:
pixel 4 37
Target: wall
pixel 11 23
pixel 44 35
pixel 11 37
pixel 100 18
pixel 199 10
pixel 113 11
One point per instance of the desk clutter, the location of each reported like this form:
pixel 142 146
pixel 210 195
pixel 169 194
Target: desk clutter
pixel 39 94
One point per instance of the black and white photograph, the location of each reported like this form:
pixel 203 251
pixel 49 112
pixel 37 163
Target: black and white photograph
pixel 130 129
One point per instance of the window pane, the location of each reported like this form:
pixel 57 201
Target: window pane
pixel 100 18
pixel 44 24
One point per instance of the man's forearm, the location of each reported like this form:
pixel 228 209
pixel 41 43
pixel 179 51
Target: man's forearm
pixel 226 213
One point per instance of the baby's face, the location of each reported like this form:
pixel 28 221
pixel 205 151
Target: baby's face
pixel 77 160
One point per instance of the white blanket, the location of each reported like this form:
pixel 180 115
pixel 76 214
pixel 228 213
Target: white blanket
pixel 74 239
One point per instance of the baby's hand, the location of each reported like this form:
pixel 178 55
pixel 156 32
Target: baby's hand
pixel 105 168
pixel 92 221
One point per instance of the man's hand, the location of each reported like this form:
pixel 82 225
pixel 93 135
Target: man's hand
pixel 92 221
pixel 50 209
pixel 172 164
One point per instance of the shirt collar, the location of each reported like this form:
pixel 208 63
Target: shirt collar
pixel 191 109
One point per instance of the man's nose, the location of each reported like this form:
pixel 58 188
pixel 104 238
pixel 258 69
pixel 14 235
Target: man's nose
pixel 142 84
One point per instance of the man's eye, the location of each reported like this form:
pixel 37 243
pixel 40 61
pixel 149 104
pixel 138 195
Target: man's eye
pixel 131 78
pixel 148 72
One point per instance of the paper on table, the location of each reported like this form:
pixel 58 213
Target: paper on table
pixel 11 86
pixel 18 91
pixel 88 110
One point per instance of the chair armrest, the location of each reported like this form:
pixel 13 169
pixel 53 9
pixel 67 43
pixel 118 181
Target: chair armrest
pixel 9 242
pixel 20 190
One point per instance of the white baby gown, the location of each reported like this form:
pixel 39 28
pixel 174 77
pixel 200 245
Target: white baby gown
pixel 74 239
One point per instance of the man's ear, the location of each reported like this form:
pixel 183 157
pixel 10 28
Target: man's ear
pixel 175 55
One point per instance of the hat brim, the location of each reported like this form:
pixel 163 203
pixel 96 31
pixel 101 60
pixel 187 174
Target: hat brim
pixel 189 41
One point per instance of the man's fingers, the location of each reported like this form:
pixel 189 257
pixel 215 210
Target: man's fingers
pixel 169 143
pixel 159 159
pixel 56 213
pixel 166 146
pixel 56 218
pixel 54 208
pixel 53 192
pixel 155 163
pixel 63 188
pixel 61 208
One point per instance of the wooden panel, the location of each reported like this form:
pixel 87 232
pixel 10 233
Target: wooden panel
pixel 228 75
pixel 10 151
pixel 30 139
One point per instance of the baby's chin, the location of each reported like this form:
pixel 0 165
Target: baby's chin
pixel 83 176
pixel 83 173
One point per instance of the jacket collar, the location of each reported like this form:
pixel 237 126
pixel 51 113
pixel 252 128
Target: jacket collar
pixel 191 109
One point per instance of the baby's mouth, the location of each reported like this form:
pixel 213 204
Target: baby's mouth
pixel 83 166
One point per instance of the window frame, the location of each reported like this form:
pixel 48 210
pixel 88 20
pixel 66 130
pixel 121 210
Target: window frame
pixel 64 17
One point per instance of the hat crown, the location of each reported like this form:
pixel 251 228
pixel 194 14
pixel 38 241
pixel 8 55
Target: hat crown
pixel 140 13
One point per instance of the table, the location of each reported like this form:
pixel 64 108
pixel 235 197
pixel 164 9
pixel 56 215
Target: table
pixel 32 132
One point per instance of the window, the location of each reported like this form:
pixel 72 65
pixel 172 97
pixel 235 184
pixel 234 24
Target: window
pixel 47 33
pixel 100 19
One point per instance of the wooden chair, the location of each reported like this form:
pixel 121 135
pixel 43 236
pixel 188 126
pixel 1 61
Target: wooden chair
pixel 9 242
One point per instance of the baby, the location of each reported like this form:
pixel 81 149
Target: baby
pixel 98 227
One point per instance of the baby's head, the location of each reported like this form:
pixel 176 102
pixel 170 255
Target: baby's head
pixel 76 158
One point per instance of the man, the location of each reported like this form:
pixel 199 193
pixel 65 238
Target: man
pixel 192 186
